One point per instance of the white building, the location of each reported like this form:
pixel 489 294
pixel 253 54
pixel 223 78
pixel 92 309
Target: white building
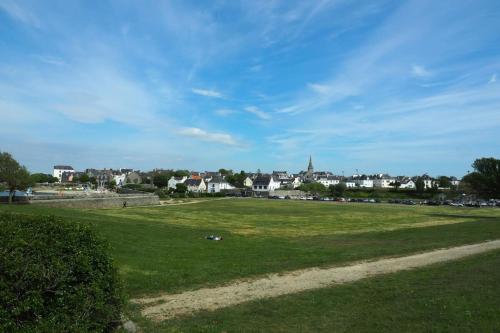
pixel 120 179
pixel 296 182
pixel 248 182
pixel 428 181
pixel 407 183
pixel 350 184
pixel 383 181
pixel 173 181
pixel 328 180
pixel 59 169
pixel 195 185
pixel 363 181
pixel 265 183
pixel 217 184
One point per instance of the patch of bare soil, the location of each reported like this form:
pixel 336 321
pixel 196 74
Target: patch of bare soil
pixel 169 306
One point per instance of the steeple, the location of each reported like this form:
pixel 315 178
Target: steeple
pixel 310 166
pixel 310 170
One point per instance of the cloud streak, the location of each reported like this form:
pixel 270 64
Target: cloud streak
pixel 257 112
pixel 217 137
pixel 207 93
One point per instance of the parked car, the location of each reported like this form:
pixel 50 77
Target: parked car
pixel 18 196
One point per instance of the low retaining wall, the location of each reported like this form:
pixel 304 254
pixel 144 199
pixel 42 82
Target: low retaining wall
pixel 294 194
pixel 102 202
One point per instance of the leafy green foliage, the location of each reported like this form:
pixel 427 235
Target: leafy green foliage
pixel 112 184
pixel 42 178
pixel 444 182
pixel 180 188
pixel 337 190
pixel 225 172
pixel 161 179
pixel 84 178
pixel 419 185
pixel 237 179
pixel 55 276
pixel 13 174
pixel 313 188
pixel 485 180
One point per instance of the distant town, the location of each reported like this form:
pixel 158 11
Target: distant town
pixel 257 182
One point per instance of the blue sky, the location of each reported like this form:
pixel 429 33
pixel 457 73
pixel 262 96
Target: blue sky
pixel 404 87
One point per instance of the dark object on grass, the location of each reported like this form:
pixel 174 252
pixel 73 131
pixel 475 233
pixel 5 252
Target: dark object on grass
pixel 55 276
pixel 124 204
pixel 215 238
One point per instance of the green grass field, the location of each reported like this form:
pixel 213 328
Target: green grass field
pixel 162 249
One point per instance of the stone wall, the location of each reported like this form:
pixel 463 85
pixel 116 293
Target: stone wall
pixel 101 202
pixel 294 194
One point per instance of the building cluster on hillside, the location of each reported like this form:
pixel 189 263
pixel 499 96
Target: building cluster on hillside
pixel 259 183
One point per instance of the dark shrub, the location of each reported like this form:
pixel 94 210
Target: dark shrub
pixel 55 276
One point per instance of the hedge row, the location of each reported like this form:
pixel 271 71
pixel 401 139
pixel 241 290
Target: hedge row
pixel 55 276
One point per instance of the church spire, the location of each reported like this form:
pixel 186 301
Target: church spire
pixel 310 170
pixel 310 166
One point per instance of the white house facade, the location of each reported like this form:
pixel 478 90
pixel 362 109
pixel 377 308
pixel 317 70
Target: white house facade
pixel 329 180
pixel 60 169
pixel 350 184
pixel 217 184
pixel 383 181
pixel 195 185
pixel 265 183
pixel 173 181
pixel 248 182
pixel 364 181
pixel 407 184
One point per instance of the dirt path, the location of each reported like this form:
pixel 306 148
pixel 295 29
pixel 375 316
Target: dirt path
pixel 168 306
pixel 173 203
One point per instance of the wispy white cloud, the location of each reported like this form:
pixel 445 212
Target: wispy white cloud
pixel 18 12
pixel 203 135
pixel 319 88
pixel 207 93
pixel 419 71
pixel 51 60
pixel 224 112
pixel 493 78
pixel 258 112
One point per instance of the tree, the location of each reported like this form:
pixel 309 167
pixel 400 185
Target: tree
pixel 225 172
pixel 313 188
pixel 180 188
pixel 419 185
pixel 237 179
pixel 485 180
pixel 181 173
pixel 13 174
pixel 161 180
pixel 340 189
pixel 444 182
pixel 112 184
pixel 39 178
pixel 396 184
pixel 84 178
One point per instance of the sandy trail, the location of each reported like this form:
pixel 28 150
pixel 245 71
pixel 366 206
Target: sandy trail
pixel 169 306
pixel 170 203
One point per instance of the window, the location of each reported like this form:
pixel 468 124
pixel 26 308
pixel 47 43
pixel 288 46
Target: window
pixel 265 187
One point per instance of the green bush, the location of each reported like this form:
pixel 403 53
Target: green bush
pixel 55 276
